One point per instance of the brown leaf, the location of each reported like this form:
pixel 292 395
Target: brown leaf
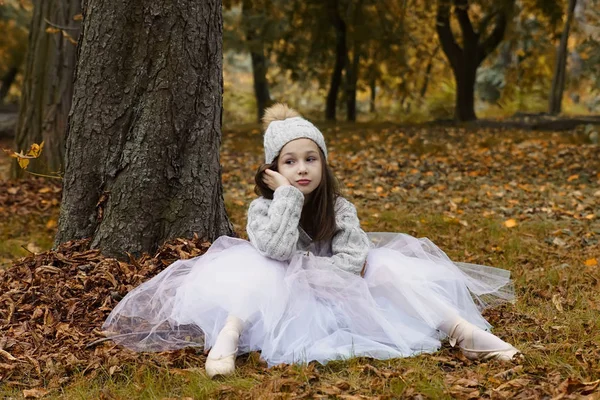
pixel 34 393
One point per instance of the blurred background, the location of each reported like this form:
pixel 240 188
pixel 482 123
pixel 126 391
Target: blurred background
pixel 366 60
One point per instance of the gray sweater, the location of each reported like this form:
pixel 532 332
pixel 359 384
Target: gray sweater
pixel 274 230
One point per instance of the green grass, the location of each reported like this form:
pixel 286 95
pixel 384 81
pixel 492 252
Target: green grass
pixel 555 321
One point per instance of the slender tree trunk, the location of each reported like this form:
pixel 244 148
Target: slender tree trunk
pixel 341 55
pixel 142 158
pixel 48 84
pixel 475 48
pixel 352 67
pixel 261 85
pixel 423 91
pixel 7 81
pixel 558 80
pixel 373 87
pixel 351 80
pixel 259 61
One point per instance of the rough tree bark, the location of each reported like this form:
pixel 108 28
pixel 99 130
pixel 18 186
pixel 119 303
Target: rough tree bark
pixel 142 157
pixel 259 61
pixel 475 48
pixel 48 84
pixel 341 57
pixel 560 66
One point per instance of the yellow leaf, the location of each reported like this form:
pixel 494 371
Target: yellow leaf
pixel 592 262
pixel 23 162
pixel 35 150
pixel 572 178
pixel 51 224
pixel 510 223
pixel 51 29
pixel 78 17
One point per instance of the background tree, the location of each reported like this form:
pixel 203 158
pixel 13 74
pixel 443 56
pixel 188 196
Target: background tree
pixel 14 19
pixel 142 158
pixel 48 83
pixel 477 44
pixel 560 65
pixel 255 25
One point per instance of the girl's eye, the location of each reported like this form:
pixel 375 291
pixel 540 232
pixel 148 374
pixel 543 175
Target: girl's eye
pixel 311 159
pixel 289 162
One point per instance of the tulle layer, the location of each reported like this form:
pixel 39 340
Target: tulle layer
pixel 303 309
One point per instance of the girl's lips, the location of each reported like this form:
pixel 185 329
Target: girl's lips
pixel 303 182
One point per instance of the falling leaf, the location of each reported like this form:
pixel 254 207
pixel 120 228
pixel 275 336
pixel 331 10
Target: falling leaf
pixel 510 223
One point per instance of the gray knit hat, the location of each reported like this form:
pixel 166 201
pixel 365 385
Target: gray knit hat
pixel 284 124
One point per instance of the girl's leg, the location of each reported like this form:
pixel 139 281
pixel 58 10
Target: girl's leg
pixel 474 342
pixel 221 358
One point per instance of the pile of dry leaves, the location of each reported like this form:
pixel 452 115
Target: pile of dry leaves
pixel 53 304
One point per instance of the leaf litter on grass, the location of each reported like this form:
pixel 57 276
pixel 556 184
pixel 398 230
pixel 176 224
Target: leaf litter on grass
pixel 537 191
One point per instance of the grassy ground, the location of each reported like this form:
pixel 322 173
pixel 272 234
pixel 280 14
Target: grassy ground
pixel 523 201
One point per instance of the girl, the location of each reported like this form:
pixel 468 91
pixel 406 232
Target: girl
pixel 310 284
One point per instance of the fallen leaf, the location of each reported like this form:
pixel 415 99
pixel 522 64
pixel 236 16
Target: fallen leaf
pixel 591 262
pixel 510 223
pixel 34 393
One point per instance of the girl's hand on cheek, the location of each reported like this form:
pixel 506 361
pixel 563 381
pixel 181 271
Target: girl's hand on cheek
pixel 274 179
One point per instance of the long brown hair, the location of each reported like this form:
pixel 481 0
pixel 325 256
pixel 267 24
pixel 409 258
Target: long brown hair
pixel 318 213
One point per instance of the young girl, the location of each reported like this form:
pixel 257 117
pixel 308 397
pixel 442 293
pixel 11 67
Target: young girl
pixel 310 284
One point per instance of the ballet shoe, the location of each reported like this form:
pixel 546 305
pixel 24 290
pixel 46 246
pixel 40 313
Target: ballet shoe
pixel 463 332
pixel 221 358
pixel 222 366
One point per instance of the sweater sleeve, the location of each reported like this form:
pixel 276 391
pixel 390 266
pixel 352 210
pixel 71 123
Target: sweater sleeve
pixel 273 224
pixel 350 244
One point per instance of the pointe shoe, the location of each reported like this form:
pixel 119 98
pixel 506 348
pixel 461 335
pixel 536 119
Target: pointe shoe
pixel 463 333
pixel 222 366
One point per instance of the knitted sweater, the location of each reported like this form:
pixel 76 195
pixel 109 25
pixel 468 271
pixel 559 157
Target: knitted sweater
pixel 273 228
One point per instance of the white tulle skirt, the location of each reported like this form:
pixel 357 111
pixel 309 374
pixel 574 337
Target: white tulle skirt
pixel 300 310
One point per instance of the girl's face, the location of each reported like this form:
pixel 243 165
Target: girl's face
pixel 300 162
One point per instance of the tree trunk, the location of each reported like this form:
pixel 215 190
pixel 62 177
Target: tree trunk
pixel 259 61
pixel 341 56
pixel 423 91
pixel 142 157
pixel 475 48
pixel 351 79
pixel 373 87
pixel 6 82
pixel 558 80
pixel 48 84
pixel 465 92
pixel 261 85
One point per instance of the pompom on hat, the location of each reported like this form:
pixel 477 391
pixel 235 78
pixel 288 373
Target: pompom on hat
pixel 282 125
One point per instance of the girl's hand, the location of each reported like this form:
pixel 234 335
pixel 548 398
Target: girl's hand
pixel 274 179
